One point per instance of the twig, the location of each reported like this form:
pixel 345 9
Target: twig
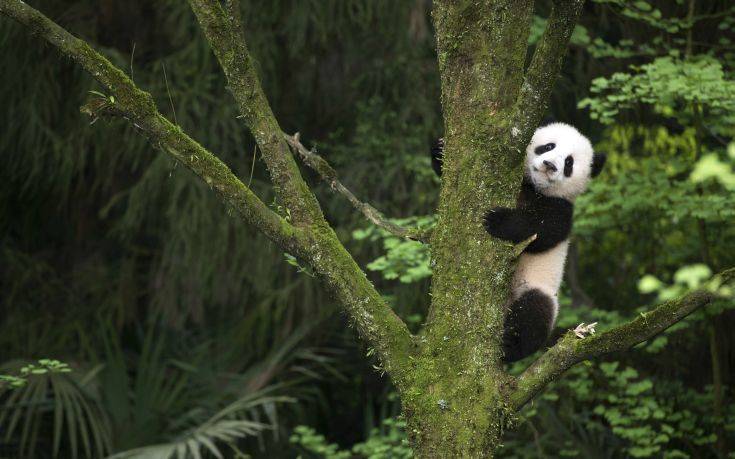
pixel 168 91
pixel 521 246
pixel 132 57
pixel 329 175
pixel 252 167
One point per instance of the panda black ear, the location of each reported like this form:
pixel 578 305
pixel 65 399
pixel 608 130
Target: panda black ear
pixel 598 161
pixel 437 156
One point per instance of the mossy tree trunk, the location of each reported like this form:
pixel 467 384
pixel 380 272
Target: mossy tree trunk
pixel 456 396
pixel 456 406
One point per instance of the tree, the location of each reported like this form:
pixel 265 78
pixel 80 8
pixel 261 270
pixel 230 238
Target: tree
pixel 456 396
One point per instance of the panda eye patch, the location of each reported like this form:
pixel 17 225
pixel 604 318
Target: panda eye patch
pixel 544 148
pixel 568 166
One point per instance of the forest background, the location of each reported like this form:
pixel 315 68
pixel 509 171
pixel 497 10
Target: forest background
pixel 178 325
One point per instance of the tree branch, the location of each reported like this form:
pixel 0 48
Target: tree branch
pixel 329 175
pixel 544 68
pixel 570 350
pixel 318 244
pixel 373 317
pixel 138 107
pixel 223 30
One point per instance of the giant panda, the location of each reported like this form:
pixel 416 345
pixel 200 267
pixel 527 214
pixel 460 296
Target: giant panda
pixel 559 164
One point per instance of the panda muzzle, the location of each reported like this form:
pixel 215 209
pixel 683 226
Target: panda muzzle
pixel 550 167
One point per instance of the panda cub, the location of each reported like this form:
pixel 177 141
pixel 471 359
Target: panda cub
pixel 559 164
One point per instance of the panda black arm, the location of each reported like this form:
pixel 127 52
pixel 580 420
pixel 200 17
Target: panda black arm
pixel 513 225
pixel 437 156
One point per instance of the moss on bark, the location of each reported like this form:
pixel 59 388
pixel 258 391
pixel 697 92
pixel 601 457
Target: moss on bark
pixel 457 407
pixel 377 324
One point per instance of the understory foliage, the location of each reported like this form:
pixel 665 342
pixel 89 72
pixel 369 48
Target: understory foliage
pixel 184 333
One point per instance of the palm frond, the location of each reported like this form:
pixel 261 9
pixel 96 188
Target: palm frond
pixel 62 407
pixel 225 428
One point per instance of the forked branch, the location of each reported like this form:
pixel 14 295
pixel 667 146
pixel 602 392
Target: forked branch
pixel 311 238
pixel 138 107
pixel 373 317
pixel 329 175
pixel 571 350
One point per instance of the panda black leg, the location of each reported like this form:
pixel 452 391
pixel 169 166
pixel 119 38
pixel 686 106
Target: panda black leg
pixel 527 324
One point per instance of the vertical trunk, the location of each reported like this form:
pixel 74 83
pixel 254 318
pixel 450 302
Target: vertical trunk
pixel 456 407
pixel 465 429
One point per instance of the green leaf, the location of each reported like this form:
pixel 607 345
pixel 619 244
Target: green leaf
pixel 693 275
pixel 649 284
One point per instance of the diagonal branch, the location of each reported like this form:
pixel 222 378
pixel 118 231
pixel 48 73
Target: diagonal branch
pixel 329 175
pixel 223 29
pixel 318 244
pixel 544 68
pixel 138 107
pixel 571 350
pixel 373 317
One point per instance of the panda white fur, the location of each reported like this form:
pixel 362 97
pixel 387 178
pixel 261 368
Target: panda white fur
pixel 559 164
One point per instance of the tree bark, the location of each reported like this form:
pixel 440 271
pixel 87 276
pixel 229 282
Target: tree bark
pixel 491 106
pixel 456 407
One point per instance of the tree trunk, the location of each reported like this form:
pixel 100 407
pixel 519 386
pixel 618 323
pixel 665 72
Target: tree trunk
pixel 455 407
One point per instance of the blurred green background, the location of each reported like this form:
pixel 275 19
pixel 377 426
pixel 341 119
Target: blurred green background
pixel 183 332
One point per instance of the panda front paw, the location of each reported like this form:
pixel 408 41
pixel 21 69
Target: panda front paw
pixel 494 220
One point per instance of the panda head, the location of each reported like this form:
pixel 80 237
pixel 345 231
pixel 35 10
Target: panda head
pixel 560 161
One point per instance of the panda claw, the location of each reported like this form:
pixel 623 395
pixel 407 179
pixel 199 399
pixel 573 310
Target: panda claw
pixel 583 330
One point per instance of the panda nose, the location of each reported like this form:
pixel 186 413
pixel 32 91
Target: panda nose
pixel 550 166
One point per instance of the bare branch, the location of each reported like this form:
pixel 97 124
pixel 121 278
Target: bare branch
pixel 373 317
pixel 222 28
pixel 571 350
pixel 318 244
pixel 544 69
pixel 138 107
pixel 329 175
